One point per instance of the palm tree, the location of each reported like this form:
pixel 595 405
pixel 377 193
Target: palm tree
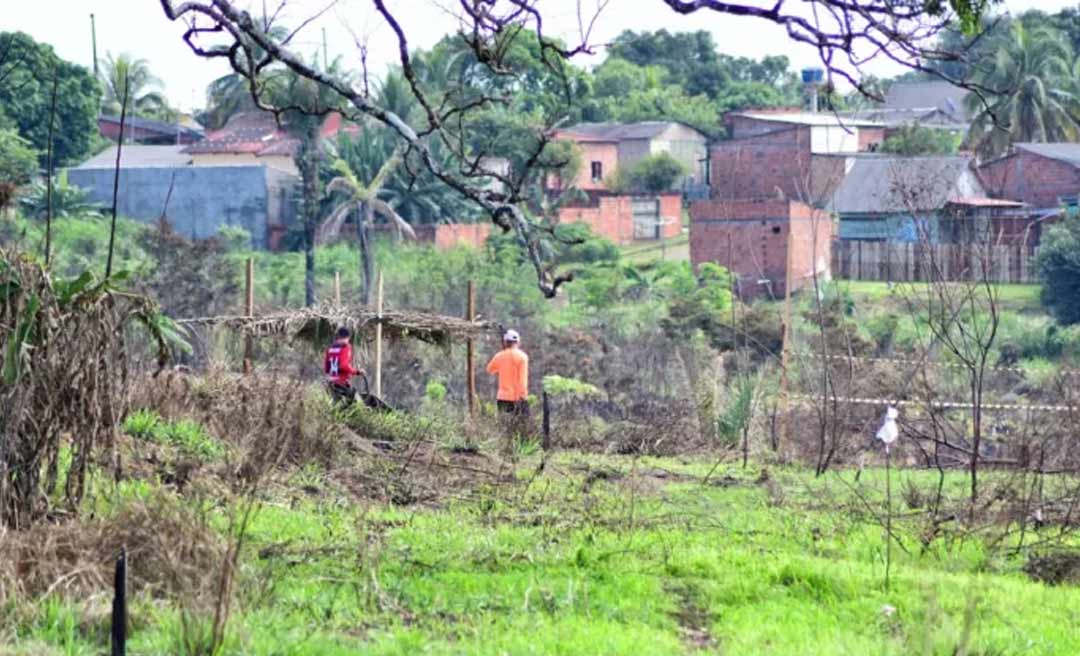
pixel 1031 71
pixel 363 169
pixel 231 94
pixel 144 88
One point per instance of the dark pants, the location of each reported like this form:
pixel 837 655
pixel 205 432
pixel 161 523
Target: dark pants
pixel 342 393
pixel 515 408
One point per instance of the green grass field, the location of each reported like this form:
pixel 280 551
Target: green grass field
pixel 595 555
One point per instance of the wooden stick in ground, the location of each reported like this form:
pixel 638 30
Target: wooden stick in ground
pixel 337 288
pixel 888 516
pixel 378 333
pixel 249 310
pixel 470 354
pixel 116 179
pixel 49 174
pixel 783 436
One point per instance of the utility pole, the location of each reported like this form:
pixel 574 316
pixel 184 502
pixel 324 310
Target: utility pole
pixel 93 42
pixel 325 57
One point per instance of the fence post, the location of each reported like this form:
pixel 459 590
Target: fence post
pixel 546 425
pixel 378 333
pixel 786 346
pixel 470 353
pixel 249 310
pixel 119 606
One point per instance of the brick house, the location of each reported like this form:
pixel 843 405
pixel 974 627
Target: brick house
pixel 147 131
pixel 750 239
pixel 607 147
pixel 1045 176
pixel 785 155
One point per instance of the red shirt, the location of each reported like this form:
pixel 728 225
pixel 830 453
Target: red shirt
pixel 338 363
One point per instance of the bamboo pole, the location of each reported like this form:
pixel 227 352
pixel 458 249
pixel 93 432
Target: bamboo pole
pixel 378 333
pixel 784 356
pixel 337 288
pixel 249 310
pixel 470 353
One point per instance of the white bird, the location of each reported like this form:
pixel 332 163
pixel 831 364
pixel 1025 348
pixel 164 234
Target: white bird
pixel 888 431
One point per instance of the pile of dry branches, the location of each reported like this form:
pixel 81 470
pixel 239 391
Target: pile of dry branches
pixel 64 377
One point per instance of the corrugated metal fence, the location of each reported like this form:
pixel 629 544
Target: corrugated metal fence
pixel 920 262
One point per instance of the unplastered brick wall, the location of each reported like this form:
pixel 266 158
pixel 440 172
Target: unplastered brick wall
pixel 1030 178
pixel 769 166
pixel 750 238
pixel 612 217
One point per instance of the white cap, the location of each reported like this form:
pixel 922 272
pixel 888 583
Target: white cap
pixel 511 336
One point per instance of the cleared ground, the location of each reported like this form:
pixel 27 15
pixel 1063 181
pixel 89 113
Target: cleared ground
pixel 592 555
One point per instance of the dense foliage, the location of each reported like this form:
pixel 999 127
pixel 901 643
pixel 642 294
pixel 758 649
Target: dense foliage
pixel 27 71
pixel 1059 264
pixel 18 164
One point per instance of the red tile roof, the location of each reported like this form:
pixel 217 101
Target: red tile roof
pixel 259 133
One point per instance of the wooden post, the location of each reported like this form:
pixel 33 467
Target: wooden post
pixel 470 354
pixel 249 310
pixel 119 606
pixel 337 288
pixel 784 359
pixel 546 425
pixel 378 333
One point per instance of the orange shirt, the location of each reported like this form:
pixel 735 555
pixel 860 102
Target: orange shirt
pixel 511 365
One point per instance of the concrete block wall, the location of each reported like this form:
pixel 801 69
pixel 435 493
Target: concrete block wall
pixel 202 198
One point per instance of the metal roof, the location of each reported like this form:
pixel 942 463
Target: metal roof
pixel 135 156
pixel 161 127
pixel 1063 152
pixel 807 118
pixel 619 131
pixel 886 185
pixel 928 95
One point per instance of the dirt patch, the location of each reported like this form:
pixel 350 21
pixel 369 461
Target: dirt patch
pixel 1058 568
pixel 693 617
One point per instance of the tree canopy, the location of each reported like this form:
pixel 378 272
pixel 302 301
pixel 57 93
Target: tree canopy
pixel 26 76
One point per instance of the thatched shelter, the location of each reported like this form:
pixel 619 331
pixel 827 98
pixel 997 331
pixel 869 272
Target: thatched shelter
pixel 316 325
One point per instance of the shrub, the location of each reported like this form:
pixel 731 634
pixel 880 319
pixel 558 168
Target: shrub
pixel 18 165
pixel 1059 265
pixel 652 174
pixel 556 385
pixel 435 391
pixel 142 424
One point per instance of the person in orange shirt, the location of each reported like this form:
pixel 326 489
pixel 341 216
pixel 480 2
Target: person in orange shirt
pixel 511 365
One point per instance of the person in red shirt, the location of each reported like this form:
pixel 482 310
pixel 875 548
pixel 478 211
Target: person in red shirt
pixel 511 365
pixel 338 366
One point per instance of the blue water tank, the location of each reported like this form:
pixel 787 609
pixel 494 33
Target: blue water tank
pixel 812 75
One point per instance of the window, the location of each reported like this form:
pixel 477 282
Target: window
pixel 597 171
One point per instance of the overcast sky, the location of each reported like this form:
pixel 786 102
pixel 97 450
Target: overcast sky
pixel 139 27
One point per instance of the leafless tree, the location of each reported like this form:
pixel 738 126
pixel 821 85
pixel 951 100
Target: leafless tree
pixel 846 33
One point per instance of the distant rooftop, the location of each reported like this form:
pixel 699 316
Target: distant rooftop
pixel 135 156
pixel 259 133
pixel 1062 152
pixel 619 131
pixel 151 125
pixel 807 118
pixel 884 185
pixel 928 95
